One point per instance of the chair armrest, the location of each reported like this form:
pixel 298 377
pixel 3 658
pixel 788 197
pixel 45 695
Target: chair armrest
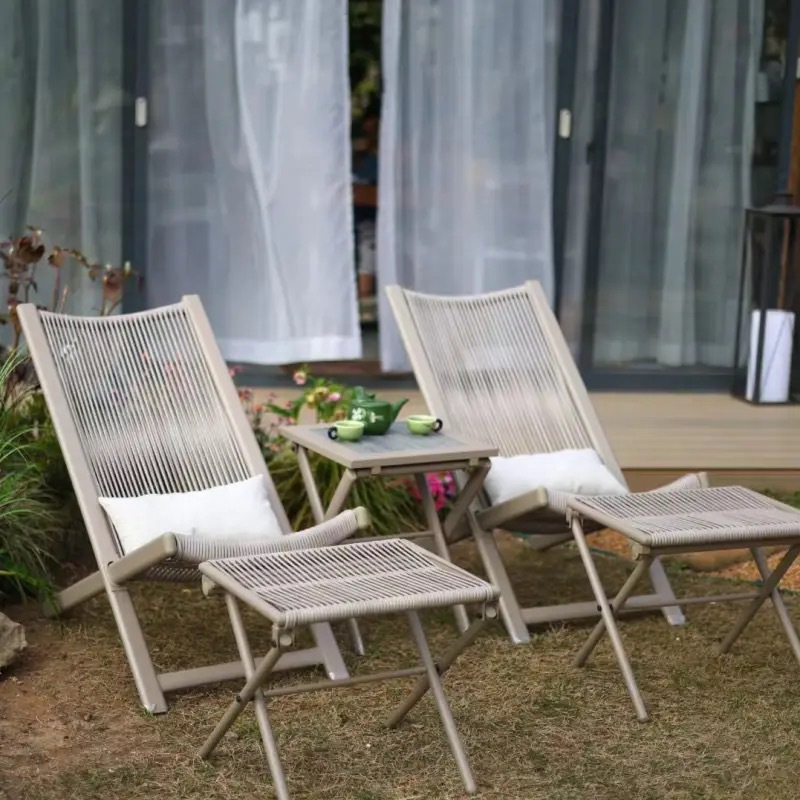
pixel 194 550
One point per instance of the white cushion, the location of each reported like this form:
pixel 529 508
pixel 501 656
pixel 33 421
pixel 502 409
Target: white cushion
pixel 239 511
pixel 570 471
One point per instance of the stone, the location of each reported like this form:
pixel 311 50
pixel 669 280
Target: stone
pixel 12 641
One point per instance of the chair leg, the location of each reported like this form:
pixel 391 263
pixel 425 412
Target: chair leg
pixel 259 701
pixel 144 673
pixel 435 527
pixel 658 577
pixel 456 745
pixel 331 654
pixel 510 611
pixel 608 619
pixel 770 586
pixel 85 589
pixel 616 608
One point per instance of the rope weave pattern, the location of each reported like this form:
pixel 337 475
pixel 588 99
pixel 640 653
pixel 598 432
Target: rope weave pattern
pixel 352 580
pixel 702 516
pixel 141 394
pixel 497 372
pixel 194 550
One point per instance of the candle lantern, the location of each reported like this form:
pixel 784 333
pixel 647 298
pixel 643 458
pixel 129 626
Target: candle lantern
pixel 766 348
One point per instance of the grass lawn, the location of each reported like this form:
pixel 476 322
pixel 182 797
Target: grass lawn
pixel 535 727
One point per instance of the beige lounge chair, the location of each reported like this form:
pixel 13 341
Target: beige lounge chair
pixel 498 363
pixel 143 403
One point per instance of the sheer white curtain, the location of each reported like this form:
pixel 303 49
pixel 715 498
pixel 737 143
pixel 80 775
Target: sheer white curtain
pixel 61 165
pixel 465 153
pixel 678 171
pixel 250 196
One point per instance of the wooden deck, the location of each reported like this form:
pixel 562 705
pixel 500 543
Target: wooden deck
pixel 657 437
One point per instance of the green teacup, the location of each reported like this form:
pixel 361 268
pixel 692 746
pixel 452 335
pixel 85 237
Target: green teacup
pixel 348 430
pixel 422 424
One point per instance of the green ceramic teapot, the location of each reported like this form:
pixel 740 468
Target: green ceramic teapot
pixel 377 415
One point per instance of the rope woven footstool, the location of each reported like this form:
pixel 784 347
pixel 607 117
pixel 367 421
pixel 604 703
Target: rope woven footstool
pixel 687 522
pixel 298 588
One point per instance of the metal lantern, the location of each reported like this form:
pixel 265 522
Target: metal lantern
pixel 766 352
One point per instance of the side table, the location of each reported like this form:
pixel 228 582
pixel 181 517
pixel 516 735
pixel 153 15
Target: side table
pixel 397 452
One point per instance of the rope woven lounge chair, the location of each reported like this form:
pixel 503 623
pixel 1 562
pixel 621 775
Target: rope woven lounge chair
pixel 143 405
pixel 498 363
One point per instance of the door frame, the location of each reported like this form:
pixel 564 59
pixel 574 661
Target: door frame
pixel 135 90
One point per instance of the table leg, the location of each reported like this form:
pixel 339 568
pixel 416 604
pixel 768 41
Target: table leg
pixel 469 491
pixel 320 514
pixel 435 526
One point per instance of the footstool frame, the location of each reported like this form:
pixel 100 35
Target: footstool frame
pixel 681 522
pixel 298 588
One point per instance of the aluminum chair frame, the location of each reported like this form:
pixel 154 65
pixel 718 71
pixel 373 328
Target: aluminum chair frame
pixel 534 401
pixel 178 428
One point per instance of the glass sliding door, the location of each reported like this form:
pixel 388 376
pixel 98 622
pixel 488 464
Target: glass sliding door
pixel 665 111
pixel 61 138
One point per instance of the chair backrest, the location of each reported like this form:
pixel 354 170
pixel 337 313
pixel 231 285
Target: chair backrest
pixel 496 366
pixel 142 403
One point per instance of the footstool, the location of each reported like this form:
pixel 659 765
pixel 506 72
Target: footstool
pixel 297 588
pixel 665 523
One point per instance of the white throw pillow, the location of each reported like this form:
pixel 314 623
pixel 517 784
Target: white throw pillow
pixel 239 511
pixel 570 471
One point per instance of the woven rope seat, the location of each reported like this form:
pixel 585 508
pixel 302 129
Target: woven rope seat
pixel 693 517
pixel 360 579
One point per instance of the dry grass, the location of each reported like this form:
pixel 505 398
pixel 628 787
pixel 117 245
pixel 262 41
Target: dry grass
pixel 534 726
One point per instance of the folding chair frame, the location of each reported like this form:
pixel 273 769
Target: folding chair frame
pixel 115 571
pixel 484 519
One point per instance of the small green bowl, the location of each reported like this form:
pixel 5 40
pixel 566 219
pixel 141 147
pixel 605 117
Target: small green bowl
pixel 422 424
pixel 347 430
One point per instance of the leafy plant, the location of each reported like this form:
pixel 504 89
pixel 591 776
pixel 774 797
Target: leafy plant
pixel 21 257
pixel 31 519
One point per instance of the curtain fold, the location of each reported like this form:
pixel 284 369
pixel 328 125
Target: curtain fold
pixel 466 145
pixel 61 67
pixel 678 166
pixel 250 193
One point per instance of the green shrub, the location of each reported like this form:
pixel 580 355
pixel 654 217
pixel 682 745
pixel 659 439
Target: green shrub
pixel 32 521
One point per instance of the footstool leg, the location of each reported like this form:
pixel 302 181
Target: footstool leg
pixel 778 604
pixel 441 702
pixel 443 663
pixel 770 587
pixel 259 701
pixel 616 608
pixel 610 623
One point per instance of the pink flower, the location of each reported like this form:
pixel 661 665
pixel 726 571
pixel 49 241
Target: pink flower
pixel 287 405
pixel 334 397
pixel 300 378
